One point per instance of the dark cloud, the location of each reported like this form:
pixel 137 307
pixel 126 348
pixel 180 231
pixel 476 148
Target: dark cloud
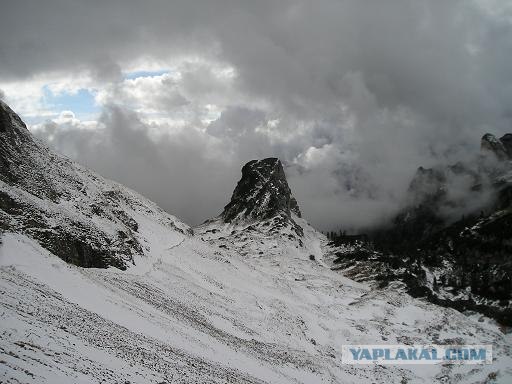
pixel 353 95
pixel 104 69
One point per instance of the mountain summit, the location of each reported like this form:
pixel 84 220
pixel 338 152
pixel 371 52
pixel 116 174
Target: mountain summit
pixel 261 193
pixel 262 205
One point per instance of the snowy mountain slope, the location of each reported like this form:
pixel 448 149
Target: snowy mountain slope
pixel 199 314
pixel 249 301
pixel 69 210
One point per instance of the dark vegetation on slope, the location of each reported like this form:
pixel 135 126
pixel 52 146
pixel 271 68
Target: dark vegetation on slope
pixel 464 262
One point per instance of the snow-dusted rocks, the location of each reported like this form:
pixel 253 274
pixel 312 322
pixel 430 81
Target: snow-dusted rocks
pixel 197 313
pixel 501 148
pixel 262 206
pixel 261 193
pixel 71 211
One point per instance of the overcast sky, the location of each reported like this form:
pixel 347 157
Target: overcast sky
pixel 172 97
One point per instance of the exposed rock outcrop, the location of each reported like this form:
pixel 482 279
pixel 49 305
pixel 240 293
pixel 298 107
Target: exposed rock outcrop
pixel 72 212
pixel 261 193
pixel 262 207
pixel 501 148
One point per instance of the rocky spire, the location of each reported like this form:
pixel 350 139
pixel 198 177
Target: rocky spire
pixel 261 193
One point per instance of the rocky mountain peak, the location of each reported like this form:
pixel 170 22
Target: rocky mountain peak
pixel 261 193
pixel 501 148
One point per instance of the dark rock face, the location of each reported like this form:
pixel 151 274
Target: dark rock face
pixel 507 143
pixel 53 200
pixel 501 148
pixel 263 203
pixel 262 193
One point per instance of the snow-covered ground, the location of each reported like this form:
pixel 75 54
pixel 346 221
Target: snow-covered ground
pixel 216 307
pixel 233 303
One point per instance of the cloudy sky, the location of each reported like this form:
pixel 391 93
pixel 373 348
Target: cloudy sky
pixel 172 97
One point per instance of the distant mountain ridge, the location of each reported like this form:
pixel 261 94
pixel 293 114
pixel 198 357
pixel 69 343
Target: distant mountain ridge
pixel 462 261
